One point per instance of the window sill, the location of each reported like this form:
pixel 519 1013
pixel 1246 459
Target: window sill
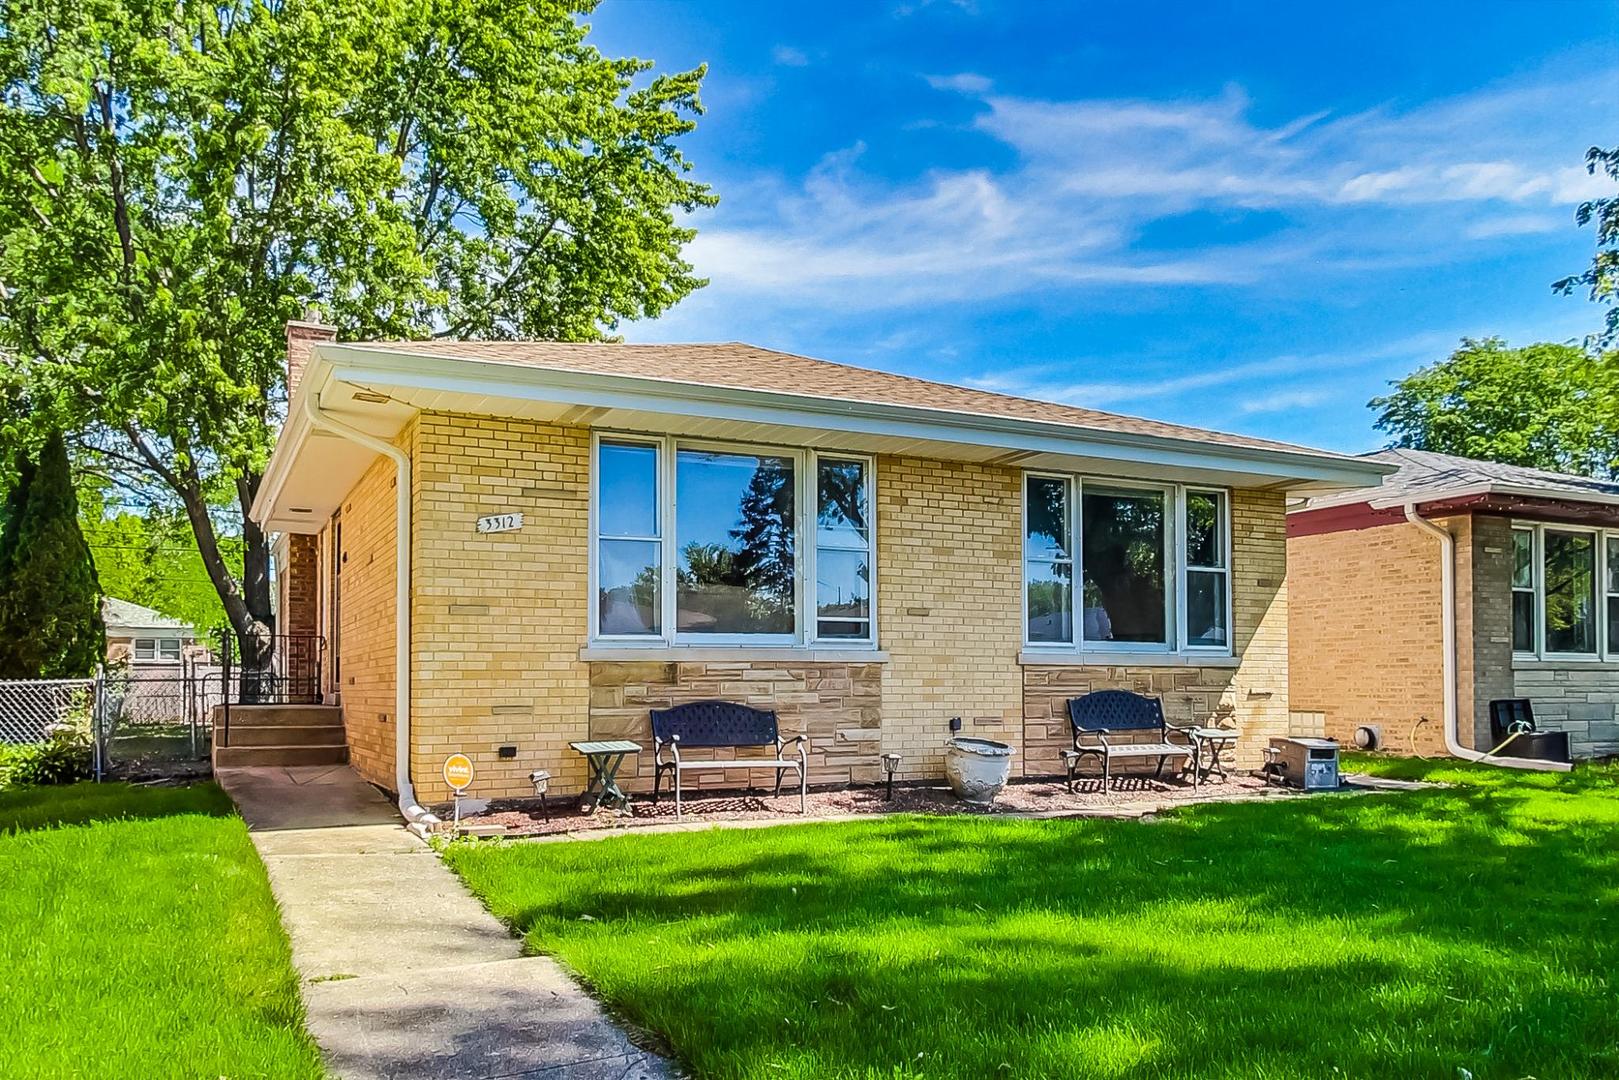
pixel 731 654
pixel 1096 658
pixel 1563 663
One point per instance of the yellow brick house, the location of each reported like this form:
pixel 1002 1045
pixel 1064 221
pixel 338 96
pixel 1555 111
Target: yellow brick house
pixel 511 546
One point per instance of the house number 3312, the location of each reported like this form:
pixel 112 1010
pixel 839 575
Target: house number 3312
pixel 500 523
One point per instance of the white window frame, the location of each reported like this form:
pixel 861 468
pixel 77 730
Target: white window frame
pixel 150 644
pixel 1605 649
pixel 163 653
pixel 806 625
pixel 1075 616
pixel 1187 569
pixel 1175 569
pixel 868 466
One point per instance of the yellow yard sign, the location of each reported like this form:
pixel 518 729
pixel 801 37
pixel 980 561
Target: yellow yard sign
pixel 458 772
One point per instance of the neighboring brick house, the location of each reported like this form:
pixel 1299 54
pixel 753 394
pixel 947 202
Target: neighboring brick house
pixel 595 530
pixel 1536 603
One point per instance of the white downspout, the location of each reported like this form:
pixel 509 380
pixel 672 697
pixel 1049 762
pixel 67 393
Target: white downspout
pixel 1447 618
pixel 414 813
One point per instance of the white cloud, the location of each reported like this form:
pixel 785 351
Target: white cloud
pixel 1514 225
pixel 1283 400
pixel 964 83
pixel 1361 192
pixel 788 56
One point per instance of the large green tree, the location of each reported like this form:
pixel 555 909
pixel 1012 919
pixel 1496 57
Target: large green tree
pixel 1545 406
pixel 50 603
pixel 1602 277
pixel 178 179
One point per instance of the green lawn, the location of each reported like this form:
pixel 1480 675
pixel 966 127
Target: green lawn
pixel 138 938
pixel 1403 935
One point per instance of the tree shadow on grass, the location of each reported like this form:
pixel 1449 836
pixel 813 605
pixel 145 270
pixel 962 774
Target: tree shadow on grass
pixel 1405 934
pixel 29 808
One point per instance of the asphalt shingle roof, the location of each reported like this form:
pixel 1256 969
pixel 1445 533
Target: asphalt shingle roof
pixel 1423 476
pixel 736 365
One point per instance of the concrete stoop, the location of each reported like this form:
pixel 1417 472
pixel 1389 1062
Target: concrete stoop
pixel 280 735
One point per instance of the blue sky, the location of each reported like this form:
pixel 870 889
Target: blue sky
pixel 1248 218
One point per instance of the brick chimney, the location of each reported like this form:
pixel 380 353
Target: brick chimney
pixel 301 337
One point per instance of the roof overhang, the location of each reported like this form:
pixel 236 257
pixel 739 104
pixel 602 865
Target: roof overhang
pixel 1510 500
pixel 380 390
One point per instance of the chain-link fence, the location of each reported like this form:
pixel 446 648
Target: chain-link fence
pixel 30 708
pixel 139 721
pixel 155 720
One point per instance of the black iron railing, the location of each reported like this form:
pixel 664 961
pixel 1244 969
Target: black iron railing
pixel 276 669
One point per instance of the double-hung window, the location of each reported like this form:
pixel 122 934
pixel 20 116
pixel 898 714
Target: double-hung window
pixel 1565 591
pixel 146 648
pixel 1116 565
pixel 704 544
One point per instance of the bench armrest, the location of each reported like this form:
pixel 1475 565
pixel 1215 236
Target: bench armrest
pixel 1183 732
pixel 673 743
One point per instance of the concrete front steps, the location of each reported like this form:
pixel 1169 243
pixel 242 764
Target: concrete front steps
pixel 280 735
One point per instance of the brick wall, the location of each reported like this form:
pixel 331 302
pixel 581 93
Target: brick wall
pixel 949 580
pixel 1483 622
pixel 499 617
pixel 1366 636
pixel 299 580
pixel 500 620
pixel 366 618
pixel 839 706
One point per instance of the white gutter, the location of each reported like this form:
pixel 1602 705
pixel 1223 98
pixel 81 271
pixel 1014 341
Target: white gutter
pixel 1447 587
pixel 408 806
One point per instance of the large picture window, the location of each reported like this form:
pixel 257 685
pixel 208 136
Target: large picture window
pixel 1152 566
pixel 1565 591
pixel 1121 552
pixel 735 571
pixel 705 544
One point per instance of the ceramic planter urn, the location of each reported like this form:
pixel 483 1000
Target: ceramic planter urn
pixel 977 769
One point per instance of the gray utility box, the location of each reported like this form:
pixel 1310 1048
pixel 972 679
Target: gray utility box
pixel 1311 764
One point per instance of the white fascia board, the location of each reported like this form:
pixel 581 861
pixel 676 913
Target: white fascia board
pixel 373 368
pixel 287 444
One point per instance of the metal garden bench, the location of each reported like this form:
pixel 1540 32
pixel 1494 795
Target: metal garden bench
pixel 1099 717
pixel 706 725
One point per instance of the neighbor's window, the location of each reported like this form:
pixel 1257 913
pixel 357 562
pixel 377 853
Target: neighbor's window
pixel 1613 592
pixel 1208 570
pixel 842 550
pixel 145 648
pixel 629 552
pixel 1121 542
pixel 1570 590
pixel 1048 562
pixel 734 544
pixel 1523 590
pixel 168 648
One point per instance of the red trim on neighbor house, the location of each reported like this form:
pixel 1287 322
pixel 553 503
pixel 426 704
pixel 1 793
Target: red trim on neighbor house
pixel 1332 519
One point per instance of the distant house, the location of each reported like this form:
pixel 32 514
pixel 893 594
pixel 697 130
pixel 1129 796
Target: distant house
pixel 142 637
pixel 1536 602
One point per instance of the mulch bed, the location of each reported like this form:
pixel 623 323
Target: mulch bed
pixel 1130 796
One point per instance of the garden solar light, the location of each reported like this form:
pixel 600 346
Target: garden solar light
pixel 890 766
pixel 541 781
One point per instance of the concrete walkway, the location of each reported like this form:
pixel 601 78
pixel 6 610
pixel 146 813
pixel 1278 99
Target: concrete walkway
pixel 405 975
